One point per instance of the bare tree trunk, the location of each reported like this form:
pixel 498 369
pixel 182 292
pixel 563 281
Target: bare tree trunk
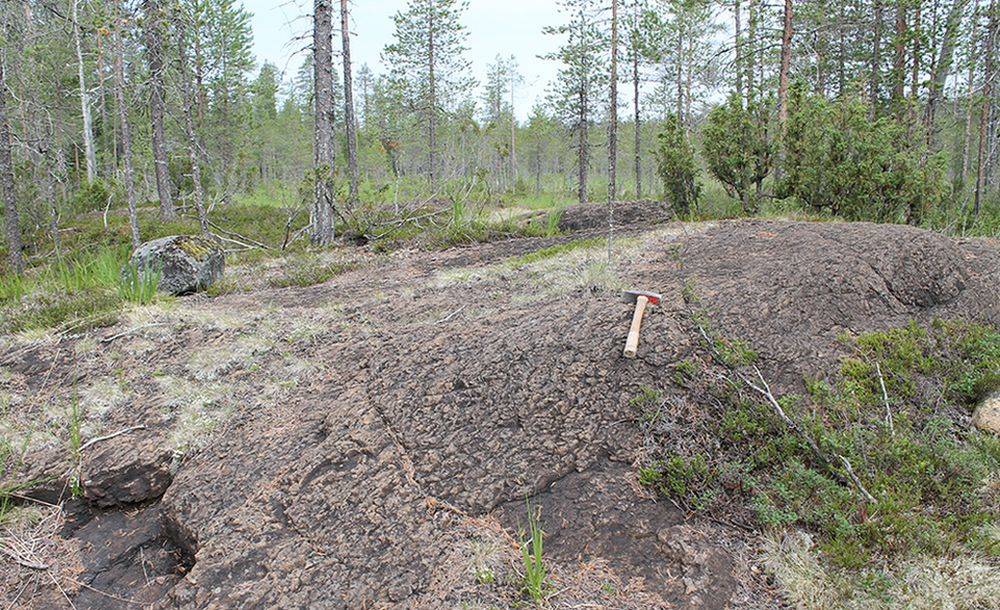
pixel 88 129
pixel 322 232
pixel 613 125
pixel 513 130
pixel 638 119
pixel 970 102
pixel 786 60
pixel 875 67
pixel 680 76
pixel 192 136
pixel 841 49
pixel 984 118
pixel 12 227
pixel 432 110
pixel 899 59
pixel 942 68
pixel 154 49
pixel 750 52
pixel 915 68
pixel 128 176
pixel 350 124
pixel 738 44
pixel 583 147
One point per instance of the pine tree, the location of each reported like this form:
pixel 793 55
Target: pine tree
pixel 579 86
pixel 428 55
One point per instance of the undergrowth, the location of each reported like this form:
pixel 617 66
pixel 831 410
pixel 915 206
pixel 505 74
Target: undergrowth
pixel 933 476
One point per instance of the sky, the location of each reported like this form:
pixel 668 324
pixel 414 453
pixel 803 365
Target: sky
pixel 281 32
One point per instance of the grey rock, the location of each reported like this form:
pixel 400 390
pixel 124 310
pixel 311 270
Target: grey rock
pixel 186 263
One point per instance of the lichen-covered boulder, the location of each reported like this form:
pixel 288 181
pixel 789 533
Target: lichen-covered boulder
pixel 186 263
pixel 987 414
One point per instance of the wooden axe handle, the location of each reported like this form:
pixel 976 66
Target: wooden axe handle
pixel 632 343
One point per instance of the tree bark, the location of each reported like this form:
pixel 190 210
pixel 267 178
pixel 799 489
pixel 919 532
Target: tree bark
pixel 125 131
pixel 984 118
pixel 350 124
pixel 738 44
pixel 193 145
pixel 613 126
pixel 154 50
pixel 875 66
pixel 636 112
pixel 915 68
pixel 323 232
pixel 88 130
pixel 786 60
pixel 12 227
pixel 583 150
pixel 942 68
pixel 899 59
pixel 432 102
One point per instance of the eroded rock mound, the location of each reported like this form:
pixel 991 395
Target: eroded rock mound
pixel 435 399
pixel 185 263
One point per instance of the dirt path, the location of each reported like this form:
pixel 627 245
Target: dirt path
pixel 370 442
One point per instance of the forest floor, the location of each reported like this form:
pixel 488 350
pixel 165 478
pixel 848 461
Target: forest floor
pixel 363 429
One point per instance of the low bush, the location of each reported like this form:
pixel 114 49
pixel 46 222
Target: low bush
pixel 676 167
pixel 838 159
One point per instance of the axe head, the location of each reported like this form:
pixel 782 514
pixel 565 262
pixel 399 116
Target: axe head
pixel 631 296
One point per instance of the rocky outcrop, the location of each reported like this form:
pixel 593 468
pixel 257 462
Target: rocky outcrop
pixel 987 414
pixel 185 263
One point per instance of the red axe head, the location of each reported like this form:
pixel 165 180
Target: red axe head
pixel 632 295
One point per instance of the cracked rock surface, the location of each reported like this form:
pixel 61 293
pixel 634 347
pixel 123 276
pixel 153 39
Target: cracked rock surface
pixel 376 446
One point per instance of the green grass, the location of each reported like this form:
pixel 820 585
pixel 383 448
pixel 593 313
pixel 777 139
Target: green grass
pixel 551 251
pixel 138 286
pixel 536 580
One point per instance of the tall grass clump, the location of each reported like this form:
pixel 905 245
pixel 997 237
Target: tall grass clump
pixel 535 572
pixel 138 285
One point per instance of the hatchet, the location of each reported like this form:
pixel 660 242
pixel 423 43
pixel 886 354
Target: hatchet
pixel 641 298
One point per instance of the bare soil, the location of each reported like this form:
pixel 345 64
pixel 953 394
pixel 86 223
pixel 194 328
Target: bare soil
pixel 370 442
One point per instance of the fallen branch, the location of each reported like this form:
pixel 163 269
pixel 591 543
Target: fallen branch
pixel 885 398
pixel 130 331
pixel 108 437
pixel 21 561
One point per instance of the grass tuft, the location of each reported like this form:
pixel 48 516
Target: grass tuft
pixel 536 583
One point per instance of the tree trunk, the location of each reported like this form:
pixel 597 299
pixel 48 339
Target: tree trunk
pixel 915 68
pixel 875 66
pixel 583 156
pixel 841 49
pixel 786 60
pixel 128 176
pixel 970 102
pixel 738 44
pixel 432 102
pixel 638 118
pixel 189 130
pixel 750 52
pixel 88 129
pixel 613 125
pixel 984 118
pixel 154 49
pixel 942 68
pixel 350 125
pixel 899 59
pixel 322 232
pixel 12 227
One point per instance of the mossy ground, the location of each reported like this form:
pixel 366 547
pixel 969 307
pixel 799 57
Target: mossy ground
pixel 935 479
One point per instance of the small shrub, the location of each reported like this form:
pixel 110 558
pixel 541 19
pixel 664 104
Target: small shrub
pixel 739 149
pixel 675 165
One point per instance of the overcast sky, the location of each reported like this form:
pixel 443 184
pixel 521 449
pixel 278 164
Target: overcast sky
pixel 281 31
